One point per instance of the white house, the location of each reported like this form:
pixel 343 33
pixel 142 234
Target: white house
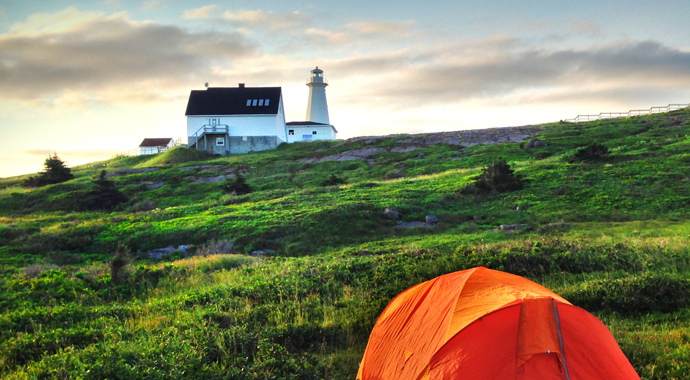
pixel 232 120
pixel 154 146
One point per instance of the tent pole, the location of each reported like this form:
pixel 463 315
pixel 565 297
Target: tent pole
pixel 560 338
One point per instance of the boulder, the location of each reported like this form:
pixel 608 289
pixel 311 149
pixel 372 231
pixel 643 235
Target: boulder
pixel 512 227
pixel 159 253
pixel 421 156
pixel 535 144
pixel 156 185
pixel 431 219
pixel 391 214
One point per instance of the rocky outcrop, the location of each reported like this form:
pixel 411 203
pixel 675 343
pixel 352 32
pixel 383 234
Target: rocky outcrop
pixel 119 172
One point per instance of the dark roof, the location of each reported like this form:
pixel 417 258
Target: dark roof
pixel 305 123
pixel 156 142
pixel 232 101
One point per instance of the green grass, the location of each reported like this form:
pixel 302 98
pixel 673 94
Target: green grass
pixel 610 236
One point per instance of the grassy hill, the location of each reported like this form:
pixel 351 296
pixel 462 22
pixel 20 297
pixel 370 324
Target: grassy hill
pixel 287 281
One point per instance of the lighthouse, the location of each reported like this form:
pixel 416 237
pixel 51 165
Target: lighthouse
pixel 317 108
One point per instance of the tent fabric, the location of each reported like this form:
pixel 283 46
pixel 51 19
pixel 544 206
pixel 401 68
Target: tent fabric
pixel 486 324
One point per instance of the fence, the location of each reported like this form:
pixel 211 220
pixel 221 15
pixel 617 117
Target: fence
pixel 146 150
pixel 631 113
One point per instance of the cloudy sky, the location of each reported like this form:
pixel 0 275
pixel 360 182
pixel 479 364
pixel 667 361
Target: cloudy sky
pixel 89 79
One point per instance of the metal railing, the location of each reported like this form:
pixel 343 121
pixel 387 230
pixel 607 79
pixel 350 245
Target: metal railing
pixel 219 128
pixel 631 113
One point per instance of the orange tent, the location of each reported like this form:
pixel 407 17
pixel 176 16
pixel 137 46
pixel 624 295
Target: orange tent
pixel 484 324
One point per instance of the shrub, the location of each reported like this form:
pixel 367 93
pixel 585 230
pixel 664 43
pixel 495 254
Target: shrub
pixel 496 178
pixel 55 172
pixel 394 174
pixel 333 181
pixel 117 263
pixel 104 195
pixel 238 186
pixel 592 152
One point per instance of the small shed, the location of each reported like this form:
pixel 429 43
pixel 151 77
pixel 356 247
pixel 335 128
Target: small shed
pixel 154 146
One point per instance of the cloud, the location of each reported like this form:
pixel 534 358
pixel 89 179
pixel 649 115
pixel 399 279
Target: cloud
pixel 326 36
pixel 267 19
pixel 3 13
pixel 90 52
pixel 153 5
pixel 199 13
pixel 385 28
pixel 586 27
pixel 413 78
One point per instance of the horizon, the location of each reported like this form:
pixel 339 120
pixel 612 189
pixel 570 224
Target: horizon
pixel 89 80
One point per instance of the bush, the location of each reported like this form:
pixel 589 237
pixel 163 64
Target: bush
pixel 395 174
pixel 496 178
pixel 333 181
pixel 55 172
pixel 118 262
pixel 238 186
pixel 592 152
pixel 104 196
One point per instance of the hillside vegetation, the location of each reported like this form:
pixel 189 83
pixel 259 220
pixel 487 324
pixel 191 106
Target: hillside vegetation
pixel 286 282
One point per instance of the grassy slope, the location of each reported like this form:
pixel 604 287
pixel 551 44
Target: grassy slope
pixel 306 311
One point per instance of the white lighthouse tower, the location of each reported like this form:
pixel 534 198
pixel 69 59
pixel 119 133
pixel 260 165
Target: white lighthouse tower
pixel 317 109
pixel 317 126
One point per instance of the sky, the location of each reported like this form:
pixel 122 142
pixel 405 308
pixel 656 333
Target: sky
pixel 91 79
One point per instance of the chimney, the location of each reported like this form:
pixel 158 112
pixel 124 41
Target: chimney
pixel 241 85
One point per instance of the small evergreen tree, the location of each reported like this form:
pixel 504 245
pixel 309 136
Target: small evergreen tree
pixel 497 178
pixel 104 195
pixel 55 172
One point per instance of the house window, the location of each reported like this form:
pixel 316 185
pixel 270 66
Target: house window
pixel 261 102
pixel 291 132
pixel 254 102
pixel 220 141
pixel 313 132
pixel 266 102
pixel 249 102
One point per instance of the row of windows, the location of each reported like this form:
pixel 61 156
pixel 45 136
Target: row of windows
pixel 257 102
pixel 291 132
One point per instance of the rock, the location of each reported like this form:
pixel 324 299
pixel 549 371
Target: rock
pixel 120 172
pixel 156 185
pixel 184 248
pixel 403 149
pixel 512 227
pixel 477 217
pixel 535 144
pixel 159 253
pixel 391 214
pixel 421 156
pixel 258 253
pixel 411 224
pixel 364 253
pixel 431 219
pixel 348 155
pixel 269 251
pixel 213 179
pixel 195 167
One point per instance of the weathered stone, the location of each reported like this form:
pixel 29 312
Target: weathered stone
pixel 535 144
pixel 195 167
pixel 258 253
pixel 213 179
pixel 477 217
pixel 391 214
pixel 421 156
pixel 156 185
pixel 412 224
pixel 431 219
pixel 119 172
pixel 403 149
pixel 511 227
pixel 159 253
